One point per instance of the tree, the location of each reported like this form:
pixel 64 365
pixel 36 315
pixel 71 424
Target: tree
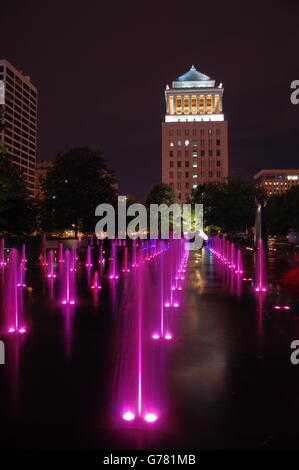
pixel 283 212
pixel 277 215
pixel 229 206
pixel 160 194
pixel 17 209
pixel 77 182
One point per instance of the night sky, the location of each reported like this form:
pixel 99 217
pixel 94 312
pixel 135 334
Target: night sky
pixel 101 69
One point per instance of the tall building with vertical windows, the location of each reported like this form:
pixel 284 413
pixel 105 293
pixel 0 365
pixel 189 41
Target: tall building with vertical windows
pixel 18 132
pixel 194 134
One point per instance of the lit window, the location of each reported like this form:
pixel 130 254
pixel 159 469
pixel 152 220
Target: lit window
pixel 186 105
pixel 179 105
pixel 194 186
pixel 171 105
pixel 193 105
pixel 195 175
pixel 217 109
pixel 209 105
pixel 201 105
pixel 187 142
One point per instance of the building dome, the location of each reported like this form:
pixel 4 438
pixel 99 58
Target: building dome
pixel 193 79
pixel 193 76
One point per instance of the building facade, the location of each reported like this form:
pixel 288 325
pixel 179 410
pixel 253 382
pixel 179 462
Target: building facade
pixel 194 134
pixel 18 103
pixel 277 181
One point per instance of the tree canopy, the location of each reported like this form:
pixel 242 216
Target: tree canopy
pixel 77 182
pixel 283 213
pixel 160 194
pixel 229 206
pixel 17 209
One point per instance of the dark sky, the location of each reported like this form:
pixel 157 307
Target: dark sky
pixel 101 69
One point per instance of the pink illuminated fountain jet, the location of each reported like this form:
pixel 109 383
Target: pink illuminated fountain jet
pixel 2 253
pixel 13 297
pixel 68 281
pixel 60 253
pixel 261 280
pixel 23 254
pixel 96 285
pixel 50 267
pixel 43 254
pixel 88 257
pixel 125 267
pixel 113 271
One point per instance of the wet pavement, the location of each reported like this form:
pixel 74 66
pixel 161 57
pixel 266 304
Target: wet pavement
pixel 229 382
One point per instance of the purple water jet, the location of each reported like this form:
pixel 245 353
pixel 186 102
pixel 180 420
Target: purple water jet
pixel 50 266
pixel 261 277
pixel 13 297
pixel 2 253
pixel 96 281
pixel 60 253
pixel 113 269
pixel 68 281
pixel 43 254
pixel 88 257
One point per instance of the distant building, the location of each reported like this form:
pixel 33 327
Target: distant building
pixel 18 111
pixel 194 134
pixel 277 181
pixel 42 167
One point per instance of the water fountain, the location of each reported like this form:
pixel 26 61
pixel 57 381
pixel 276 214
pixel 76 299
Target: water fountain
pixel 125 266
pixel 23 254
pixel 261 276
pixel 113 268
pixel 13 297
pixel 60 253
pixel 50 267
pixel 2 253
pixel 43 254
pixel 96 282
pixel 88 257
pixel 68 281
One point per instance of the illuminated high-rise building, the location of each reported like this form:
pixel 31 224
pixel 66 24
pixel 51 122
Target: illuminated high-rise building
pixel 194 134
pixel 18 103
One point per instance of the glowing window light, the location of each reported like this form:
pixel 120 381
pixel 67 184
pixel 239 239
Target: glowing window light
pixel 179 105
pixel 171 105
pixel 186 105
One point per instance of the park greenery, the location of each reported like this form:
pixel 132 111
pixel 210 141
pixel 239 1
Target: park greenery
pixel 227 206
pixel 76 183
pixel 79 180
pixel 17 209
